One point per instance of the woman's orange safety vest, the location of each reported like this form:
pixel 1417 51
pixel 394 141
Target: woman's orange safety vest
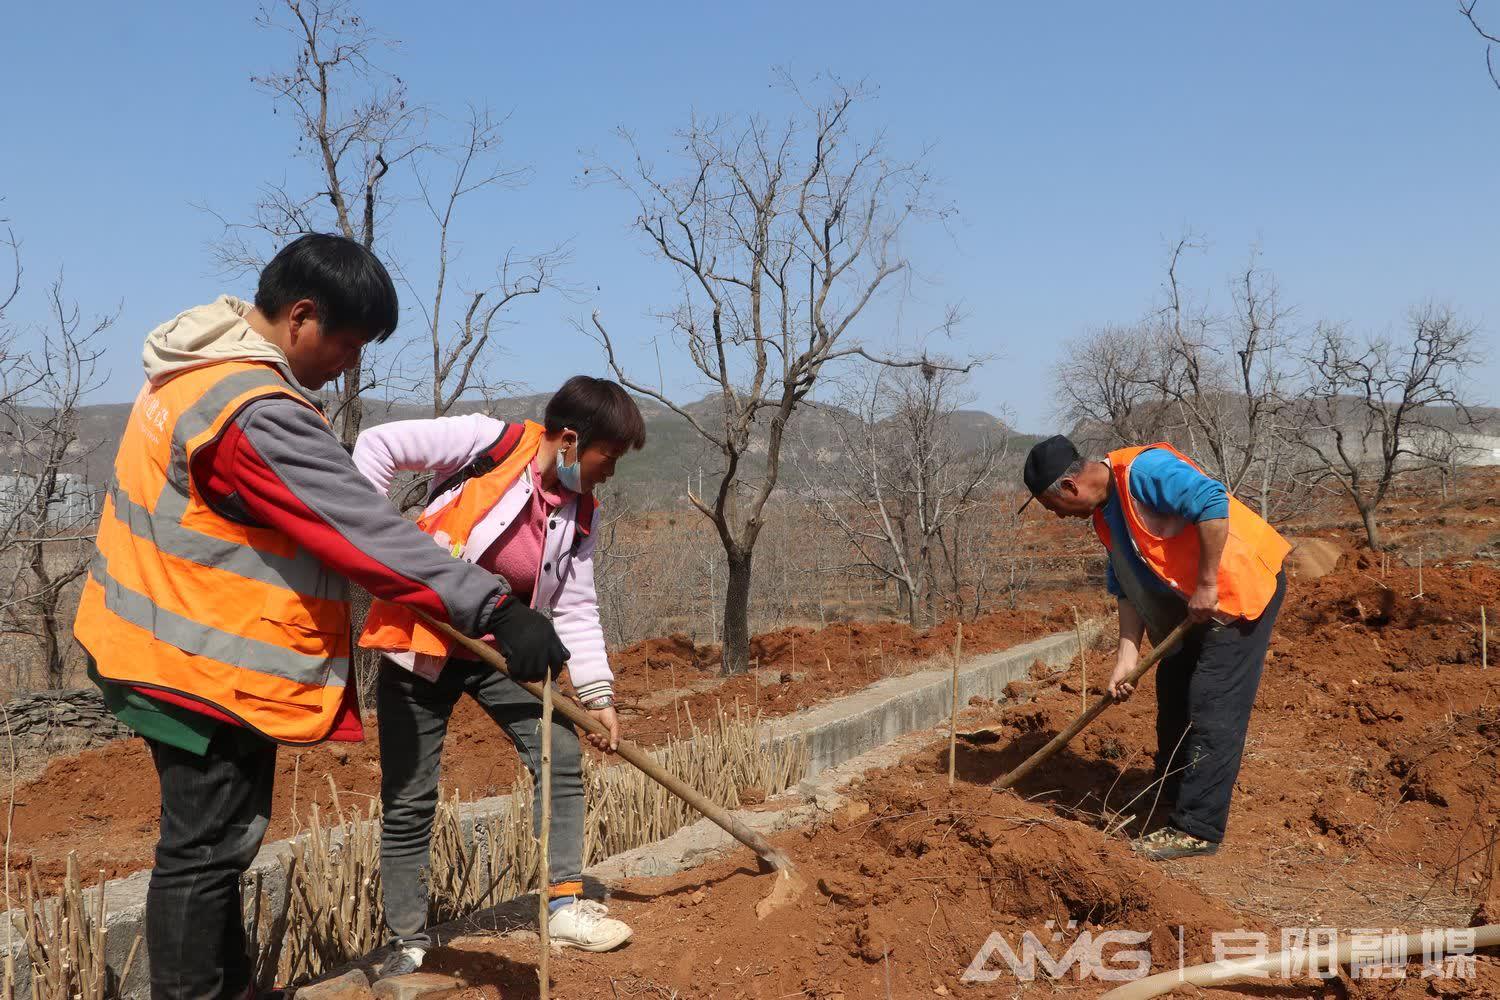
pixel 182 599
pixel 1253 553
pixel 395 629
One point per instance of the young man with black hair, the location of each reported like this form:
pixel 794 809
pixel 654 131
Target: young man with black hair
pixel 216 612
pixel 516 499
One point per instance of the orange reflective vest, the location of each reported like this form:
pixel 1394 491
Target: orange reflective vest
pixel 184 600
pixel 1252 557
pixel 394 629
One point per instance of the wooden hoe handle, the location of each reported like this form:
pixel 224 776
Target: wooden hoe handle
pixel 643 761
pixel 1063 738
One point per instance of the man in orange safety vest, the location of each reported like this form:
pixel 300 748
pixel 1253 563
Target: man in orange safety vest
pixel 1179 546
pixel 216 613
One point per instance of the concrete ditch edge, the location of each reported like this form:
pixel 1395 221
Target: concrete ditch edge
pixel 835 731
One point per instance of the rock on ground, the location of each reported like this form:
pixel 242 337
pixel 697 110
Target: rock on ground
pixel 411 986
pixel 352 985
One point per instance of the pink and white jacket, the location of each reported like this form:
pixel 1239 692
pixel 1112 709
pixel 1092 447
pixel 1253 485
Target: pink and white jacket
pixel 565 581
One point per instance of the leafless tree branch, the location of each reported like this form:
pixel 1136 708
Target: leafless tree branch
pixel 1376 410
pixel 781 235
pixel 903 481
pixel 1467 8
pixel 44 508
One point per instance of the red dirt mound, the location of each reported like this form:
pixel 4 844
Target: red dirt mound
pixel 1365 801
pixel 906 886
pixel 907 883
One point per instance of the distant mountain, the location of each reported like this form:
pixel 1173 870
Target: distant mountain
pixel 672 459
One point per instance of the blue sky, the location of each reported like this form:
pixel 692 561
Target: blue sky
pixel 1357 143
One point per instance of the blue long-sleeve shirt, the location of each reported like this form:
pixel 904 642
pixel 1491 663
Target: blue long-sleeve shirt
pixel 1165 483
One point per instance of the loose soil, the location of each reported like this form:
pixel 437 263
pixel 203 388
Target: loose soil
pixel 1365 801
pixel 103 803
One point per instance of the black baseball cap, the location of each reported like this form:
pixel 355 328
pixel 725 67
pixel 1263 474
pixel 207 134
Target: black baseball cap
pixel 1045 463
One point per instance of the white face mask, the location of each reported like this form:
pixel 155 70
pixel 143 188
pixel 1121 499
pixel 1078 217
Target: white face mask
pixel 570 476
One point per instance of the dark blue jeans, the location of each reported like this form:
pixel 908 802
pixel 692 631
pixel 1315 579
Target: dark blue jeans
pixel 1204 693
pixel 214 811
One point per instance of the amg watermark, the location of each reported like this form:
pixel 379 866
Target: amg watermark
pixel 1122 955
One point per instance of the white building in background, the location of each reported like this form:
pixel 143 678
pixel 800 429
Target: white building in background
pixel 74 501
pixel 1479 449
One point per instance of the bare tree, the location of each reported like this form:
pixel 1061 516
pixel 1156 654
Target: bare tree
pixel 993 552
pixel 1226 380
pixel 458 355
pixel 47 517
pixel 10 247
pixel 354 124
pixel 1215 385
pixel 781 236
pixel 615 565
pixel 903 481
pixel 371 151
pixel 13 381
pixel 946 478
pixel 1467 8
pixel 1104 387
pixel 1372 412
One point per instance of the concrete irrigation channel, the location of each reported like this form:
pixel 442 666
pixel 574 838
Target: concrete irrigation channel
pixel 835 732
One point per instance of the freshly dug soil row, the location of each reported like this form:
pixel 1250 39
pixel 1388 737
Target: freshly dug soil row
pixel 1365 800
pixel 908 881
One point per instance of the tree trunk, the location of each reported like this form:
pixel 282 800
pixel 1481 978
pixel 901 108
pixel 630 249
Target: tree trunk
pixel 366 666
pixel 1265 489
pixel 44 604
pixel 54 651
pixel 351 413
pixel 735 658
pixel 1372 533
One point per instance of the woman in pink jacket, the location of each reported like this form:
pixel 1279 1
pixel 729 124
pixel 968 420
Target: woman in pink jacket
pixel 535 538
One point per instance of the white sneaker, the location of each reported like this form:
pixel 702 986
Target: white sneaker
pixel 402 961
pixel 585 924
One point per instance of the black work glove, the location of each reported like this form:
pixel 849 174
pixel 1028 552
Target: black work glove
pixel 527 639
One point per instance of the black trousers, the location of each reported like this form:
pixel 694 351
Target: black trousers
pixel 1204 693
pixel 214 812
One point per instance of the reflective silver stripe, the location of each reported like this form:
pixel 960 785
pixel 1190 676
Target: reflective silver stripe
pixel 201 640
pixel 301 574
pixel 206 409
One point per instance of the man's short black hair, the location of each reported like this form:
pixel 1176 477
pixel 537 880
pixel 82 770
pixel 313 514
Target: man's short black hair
pixel 599 410
pixel 351 288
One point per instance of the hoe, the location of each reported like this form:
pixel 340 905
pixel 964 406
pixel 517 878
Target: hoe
pixel 1062 739
pixel 789 883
